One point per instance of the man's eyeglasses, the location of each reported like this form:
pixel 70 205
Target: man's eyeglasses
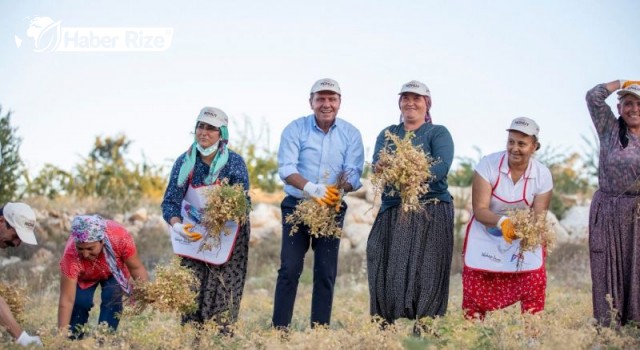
pixel 207 127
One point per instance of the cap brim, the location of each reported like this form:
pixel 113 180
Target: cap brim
pixel 623 93
pixel 215 123
pixel 27 236
pixel 412 92
pixel 524 132
pixel 328 90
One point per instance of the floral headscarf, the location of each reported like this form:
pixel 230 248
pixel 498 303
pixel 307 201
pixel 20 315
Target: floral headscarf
pixel 93 228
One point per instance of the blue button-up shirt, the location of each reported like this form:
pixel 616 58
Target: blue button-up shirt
pixel 318 157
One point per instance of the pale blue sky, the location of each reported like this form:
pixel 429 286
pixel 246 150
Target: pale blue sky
pixel 486 62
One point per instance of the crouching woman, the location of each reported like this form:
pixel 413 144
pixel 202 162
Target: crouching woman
pixel 98 252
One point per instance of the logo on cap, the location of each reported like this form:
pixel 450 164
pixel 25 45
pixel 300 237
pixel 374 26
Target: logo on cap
pixel 412 85
pixel 521 122
pixel 211 114
pixel 327 83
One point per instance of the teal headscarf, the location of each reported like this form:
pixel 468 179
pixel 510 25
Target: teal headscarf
pixel 219 161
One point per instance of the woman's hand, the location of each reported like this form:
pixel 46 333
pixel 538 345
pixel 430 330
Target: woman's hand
pixel 66 302
pixel 136 268
pixel 507 228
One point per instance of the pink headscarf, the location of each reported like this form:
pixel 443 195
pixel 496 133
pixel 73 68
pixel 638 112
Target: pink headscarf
pixel 427 116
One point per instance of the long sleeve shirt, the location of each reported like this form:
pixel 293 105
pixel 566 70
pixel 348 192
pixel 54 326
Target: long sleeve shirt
pixel 619 168
pixel 435 141
pixel 235 170
pixel 305 149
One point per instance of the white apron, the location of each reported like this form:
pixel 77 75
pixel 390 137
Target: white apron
pixel 192 205
pixel 486 250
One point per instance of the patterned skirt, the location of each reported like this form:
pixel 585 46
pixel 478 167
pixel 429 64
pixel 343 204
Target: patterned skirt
pixel 614 251
pixel 409 261
pixel 221 286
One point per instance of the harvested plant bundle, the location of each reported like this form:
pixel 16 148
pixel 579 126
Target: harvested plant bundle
pixel 224 203
pixel 406 169
pixel 14 297
pixel 171 291
pixel 321 219
pixel 533 231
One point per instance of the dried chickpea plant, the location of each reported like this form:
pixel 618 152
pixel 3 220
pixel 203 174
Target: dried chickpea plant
pixel 406 170
pixel 319 216
pixel 533 230
pixel 173 290
pixel 14 296
pixel 224 203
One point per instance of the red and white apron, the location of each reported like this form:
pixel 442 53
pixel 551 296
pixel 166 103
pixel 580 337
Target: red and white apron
pixel 486 250
pixel 195 199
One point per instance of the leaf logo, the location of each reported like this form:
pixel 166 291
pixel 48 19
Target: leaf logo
pixel 44 33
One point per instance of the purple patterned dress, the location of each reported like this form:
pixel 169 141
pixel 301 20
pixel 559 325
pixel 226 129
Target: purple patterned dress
pixel 614 230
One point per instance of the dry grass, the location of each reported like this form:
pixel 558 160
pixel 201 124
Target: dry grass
pixel 565 324
pixel 405 169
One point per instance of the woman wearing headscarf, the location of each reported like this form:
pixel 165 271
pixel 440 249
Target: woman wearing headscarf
pixel 614 229
pixel 409 254
pixel 496 273
pixel 98 252
pixel 206 163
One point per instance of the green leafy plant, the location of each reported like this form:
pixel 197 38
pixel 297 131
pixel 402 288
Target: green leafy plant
pixel 262 163
pixel 10 162
pixel 462 175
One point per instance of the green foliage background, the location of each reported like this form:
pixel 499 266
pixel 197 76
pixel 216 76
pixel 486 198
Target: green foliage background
pixel 10 162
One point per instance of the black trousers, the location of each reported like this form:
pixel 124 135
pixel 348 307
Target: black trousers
pixel 325 267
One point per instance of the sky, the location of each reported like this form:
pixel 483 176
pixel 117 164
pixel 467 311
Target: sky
pixel 485 62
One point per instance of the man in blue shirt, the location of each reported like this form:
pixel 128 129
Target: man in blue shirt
pixel 315 152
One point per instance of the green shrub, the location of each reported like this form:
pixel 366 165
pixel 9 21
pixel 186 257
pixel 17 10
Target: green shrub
pixel 262 162
pixel 10 162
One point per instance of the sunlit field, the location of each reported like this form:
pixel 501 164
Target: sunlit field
pixel 566 322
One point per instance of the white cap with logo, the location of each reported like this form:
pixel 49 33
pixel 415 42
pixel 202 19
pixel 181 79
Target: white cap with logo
pixel 525 125
pixel 213 116
pixel 326 84
pixel 630 90
pixel 23 219
pixel 416 87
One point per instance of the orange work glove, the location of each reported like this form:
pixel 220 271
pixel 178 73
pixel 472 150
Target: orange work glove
pixel 628 83
pixel 332 197
pixel 184 230
pixel 507 228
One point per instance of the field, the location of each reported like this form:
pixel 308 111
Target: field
pixel 566 322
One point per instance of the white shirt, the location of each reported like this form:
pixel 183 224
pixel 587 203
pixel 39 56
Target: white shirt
pixel 537 178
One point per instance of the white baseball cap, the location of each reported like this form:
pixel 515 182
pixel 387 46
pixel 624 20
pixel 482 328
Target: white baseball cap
pixel 213 116
pixel 416 87
pixel 326 84
pixel 525 125
pixel 630 90
pixel 23 219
